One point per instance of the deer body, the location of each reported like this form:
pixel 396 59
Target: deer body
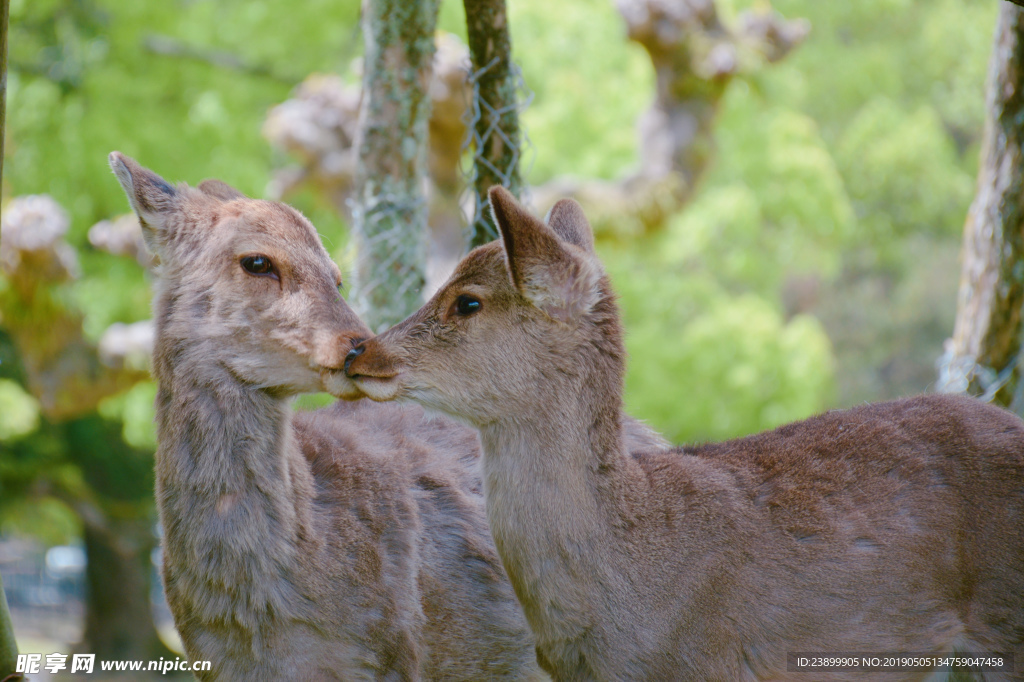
pixel 715 562
pixel 346 544
pixel 896 527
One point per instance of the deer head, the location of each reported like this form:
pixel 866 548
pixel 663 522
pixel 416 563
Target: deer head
pixel 243 284
pixel 516 314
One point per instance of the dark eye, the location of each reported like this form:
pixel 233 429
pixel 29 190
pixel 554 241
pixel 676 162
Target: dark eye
pixel 258 265
pixel 467 305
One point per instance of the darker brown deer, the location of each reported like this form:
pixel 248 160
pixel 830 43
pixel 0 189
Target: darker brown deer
pixel 346 544
pixel 895 527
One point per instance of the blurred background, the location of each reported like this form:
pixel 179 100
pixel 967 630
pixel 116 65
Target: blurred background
pixel 794 249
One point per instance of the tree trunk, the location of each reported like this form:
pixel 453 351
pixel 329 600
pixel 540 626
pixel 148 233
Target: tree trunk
pixel 695 56
pixel 982 356
pixel 495 116
pixel 389 205
pixel 118 616
pixel 8 647
pixel 117 514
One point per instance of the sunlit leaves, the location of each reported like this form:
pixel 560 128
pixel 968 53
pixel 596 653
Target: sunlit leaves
pixel 901 169
pixel 19 411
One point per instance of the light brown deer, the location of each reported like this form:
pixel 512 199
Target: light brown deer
pixel 348 544
pixel 895 527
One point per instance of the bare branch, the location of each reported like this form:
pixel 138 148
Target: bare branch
pixel 171 47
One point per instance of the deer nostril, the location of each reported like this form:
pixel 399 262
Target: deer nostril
pixel 352 355
pixel 355 341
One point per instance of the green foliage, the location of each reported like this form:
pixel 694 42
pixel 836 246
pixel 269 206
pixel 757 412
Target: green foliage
pixel 113 469
pixel 774 205
pixel 844 171
pixel 849 164
pixel 902 172
pixel 135 409
pixel 708 364
pixel 743 369
pixel 45 519
pixel 85 80
pixel 846 168
pixel 19 411
pixel 314 401
pixel 589 83
pixel 111 289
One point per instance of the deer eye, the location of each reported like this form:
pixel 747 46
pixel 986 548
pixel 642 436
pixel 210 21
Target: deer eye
pixel 259 265
pixel 467 305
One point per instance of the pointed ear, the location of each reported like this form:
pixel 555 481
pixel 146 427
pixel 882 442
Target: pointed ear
pixel 567 220
pixel 563 284
pixel 152 198
pixel 220 190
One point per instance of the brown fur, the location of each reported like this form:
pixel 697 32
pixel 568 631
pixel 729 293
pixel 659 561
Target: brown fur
pixel 896 527
pixel 350 543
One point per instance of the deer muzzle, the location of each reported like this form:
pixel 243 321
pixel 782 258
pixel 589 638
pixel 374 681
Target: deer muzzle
pixel 366 361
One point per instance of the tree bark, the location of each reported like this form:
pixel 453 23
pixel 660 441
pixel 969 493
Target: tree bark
pixel 117 514
pixel 982 356
pixel 389 206
pixel 118 616
pixel 495 113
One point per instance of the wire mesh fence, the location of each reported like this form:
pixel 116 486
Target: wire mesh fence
pixel 958 373
pixel 389 270
pixel 507 168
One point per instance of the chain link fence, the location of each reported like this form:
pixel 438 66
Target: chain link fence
pixel 389 270
pixel 958 372
pixel 480 228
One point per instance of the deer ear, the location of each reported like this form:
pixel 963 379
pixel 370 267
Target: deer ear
pixel 560 280
pixel 219 190
pixel 567 220
pixel 152 198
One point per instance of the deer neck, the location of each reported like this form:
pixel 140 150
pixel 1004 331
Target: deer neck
pixel 557 484
pixel 234 491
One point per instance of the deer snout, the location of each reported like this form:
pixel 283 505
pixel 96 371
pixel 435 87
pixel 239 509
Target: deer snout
pixel 367 361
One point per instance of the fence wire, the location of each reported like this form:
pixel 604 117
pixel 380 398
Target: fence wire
pixel 389 246
pixel 388 274
pixel 476 110
pixel 957 372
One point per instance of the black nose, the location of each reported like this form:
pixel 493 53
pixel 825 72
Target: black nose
pixel 352 355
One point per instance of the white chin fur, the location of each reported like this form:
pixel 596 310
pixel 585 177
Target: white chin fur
pixel 340 386
pixel 378 389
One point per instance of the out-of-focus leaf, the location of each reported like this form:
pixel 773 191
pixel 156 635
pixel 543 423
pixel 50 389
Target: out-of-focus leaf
pixel 19 411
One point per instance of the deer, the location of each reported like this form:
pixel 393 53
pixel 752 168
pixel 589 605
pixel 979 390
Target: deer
pixel 889 527
pixel 349 542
